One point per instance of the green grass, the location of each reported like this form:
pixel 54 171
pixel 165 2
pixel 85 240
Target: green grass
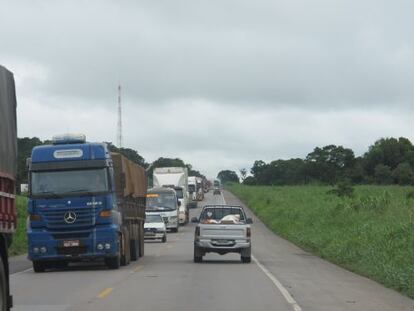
pixel 371 234
pixel 19 245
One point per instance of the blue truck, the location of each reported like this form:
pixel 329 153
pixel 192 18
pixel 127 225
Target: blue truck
pixel 85 204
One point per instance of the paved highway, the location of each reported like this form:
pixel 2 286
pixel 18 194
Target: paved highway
pixel 281 277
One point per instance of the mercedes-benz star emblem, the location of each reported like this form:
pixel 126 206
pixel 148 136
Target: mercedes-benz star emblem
pixel 70 217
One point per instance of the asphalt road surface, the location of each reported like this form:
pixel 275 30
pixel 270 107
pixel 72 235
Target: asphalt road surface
pixel 281 277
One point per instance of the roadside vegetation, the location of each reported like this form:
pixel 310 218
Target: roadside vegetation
pixel 19 245
pixel 366 229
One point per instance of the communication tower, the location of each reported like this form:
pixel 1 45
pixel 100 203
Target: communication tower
pixel 119 131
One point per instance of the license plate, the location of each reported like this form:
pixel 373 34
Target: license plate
pixel 72 243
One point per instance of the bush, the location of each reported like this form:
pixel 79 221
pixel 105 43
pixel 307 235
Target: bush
pixel 343 189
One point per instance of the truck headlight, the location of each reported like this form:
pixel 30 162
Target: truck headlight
pixel 100 246
pixel 36 250
pixel 43 249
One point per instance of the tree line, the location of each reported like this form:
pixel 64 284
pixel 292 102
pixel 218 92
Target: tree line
pixel 26 144
pixel 387 161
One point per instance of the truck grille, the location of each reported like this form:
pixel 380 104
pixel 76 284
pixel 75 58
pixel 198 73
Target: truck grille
pixel 55 217
pixel 71 235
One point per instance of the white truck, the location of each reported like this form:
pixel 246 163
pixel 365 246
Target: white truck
pixel 200 189
pixel 192 190
pixel 177 179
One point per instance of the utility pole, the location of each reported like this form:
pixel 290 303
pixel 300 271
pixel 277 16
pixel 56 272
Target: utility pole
pixel 119 131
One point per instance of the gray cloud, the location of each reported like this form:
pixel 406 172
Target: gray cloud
pixel 276 53
pixel 260 79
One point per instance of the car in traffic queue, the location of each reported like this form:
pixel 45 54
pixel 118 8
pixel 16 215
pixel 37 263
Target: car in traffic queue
pixel 155 228
pixel 222 229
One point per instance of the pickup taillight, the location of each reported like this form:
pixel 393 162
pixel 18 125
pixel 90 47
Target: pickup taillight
pixel 248 232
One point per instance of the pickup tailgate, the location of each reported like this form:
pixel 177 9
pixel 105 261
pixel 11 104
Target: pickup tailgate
pixel 221 231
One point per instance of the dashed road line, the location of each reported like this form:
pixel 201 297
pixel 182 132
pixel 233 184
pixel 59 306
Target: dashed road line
pixel 105 292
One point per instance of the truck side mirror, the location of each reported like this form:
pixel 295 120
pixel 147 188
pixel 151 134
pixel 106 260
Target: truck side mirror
pixel 249 221
pixel 179 203
pixel 194 220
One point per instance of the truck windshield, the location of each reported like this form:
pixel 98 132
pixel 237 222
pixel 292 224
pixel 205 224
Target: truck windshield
pixel 70 182
pixel 161 202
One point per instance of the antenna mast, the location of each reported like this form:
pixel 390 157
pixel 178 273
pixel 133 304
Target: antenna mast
pixel 119 132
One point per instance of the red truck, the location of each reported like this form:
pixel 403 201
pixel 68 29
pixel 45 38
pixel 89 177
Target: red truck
pixel 8 166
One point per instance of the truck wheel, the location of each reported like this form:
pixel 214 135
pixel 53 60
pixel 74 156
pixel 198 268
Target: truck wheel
pixel 141 243
pixel 246 254
pixel 197 254
pixel 133 244
pixel 126 252
pixel 4 305
pixel 39 266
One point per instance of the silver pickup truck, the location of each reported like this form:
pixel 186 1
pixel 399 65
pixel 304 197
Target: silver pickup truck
pixel 222 229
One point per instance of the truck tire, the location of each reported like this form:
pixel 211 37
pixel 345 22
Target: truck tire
pixel 246 255
pixel 133 244
pixel 126 252
pixel 39 266
pixel 197 254
pixel 4 304
pixel 141 242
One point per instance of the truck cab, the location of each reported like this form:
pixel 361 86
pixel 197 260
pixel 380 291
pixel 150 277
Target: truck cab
pixel 175 178
pixel 164 202
pixel 74 212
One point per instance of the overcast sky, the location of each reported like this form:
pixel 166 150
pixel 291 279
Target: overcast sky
pixel 217 83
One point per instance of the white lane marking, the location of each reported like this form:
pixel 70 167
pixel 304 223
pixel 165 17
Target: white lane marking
pixel 285 293
pixel 279 286
pixel 20 272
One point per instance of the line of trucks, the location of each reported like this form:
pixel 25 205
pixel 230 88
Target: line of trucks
pixel 85 202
